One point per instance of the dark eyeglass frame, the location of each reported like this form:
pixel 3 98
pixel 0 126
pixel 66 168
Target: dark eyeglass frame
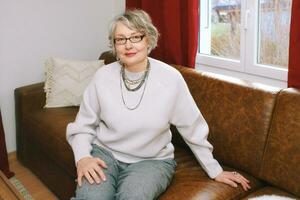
pixel 131 39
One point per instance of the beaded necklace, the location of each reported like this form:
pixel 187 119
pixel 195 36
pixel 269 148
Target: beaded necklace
pixel 140 81
pixel 127 82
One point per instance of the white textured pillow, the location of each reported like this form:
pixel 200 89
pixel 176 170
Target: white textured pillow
pixel 271 197
pixel 66 80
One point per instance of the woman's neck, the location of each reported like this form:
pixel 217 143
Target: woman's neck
pixel 137 67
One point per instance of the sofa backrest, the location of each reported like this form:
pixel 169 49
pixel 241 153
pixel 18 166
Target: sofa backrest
pixel 281 162
pixel 238 114
pixel 108 57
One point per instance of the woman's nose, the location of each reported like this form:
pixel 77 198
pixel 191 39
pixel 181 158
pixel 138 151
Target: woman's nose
pixel 128 44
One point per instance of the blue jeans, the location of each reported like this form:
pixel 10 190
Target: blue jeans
pixel 144 180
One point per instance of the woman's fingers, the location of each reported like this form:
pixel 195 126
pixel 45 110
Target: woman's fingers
pixel 245 182
pixel 229 182
pixel 94 175
pixel 101 163
pixel 79 178
pixel 241 180
pixel 238 179
pixel 232 179
pixel 100 172
pixel 91 169
pixel 88 177
pixel 240 176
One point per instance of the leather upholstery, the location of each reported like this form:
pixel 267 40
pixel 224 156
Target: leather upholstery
pixel 239 115
pixel 231 107
pixel 191 182
pixel 27 99
pixel 282 156
pixel 108 57
pixel 53 121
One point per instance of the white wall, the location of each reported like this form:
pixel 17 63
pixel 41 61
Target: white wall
pixel 32 30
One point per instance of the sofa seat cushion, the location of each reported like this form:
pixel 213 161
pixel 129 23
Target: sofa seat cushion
pixel 191 182
pixel 46 128
pixel 269 190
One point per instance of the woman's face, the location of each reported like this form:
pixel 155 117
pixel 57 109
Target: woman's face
pixel 132 54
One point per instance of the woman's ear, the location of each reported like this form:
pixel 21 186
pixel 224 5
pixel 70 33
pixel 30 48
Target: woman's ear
pixel 148 49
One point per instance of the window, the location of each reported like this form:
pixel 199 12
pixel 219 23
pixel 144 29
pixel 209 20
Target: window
pixel 245 36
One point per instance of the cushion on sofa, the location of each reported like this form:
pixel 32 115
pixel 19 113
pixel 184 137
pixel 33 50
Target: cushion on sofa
pixel 269 190
pixel 66 80
pixel 281 163
pixel 197 185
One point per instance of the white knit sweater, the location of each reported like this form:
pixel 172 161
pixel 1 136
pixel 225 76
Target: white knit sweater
pixel 143 133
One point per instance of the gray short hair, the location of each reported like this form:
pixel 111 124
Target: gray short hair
pixel 136 20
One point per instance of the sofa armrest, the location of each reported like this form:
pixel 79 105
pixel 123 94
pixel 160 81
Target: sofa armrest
pixel 27 99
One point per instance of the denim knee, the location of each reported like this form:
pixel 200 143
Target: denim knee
pixel 134 196
pixel 87 191
pixel 145 180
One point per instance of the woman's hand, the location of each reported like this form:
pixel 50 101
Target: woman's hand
pixel 232 179
pixel 91 169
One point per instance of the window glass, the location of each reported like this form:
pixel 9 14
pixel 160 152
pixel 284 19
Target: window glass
pixel 273 34
pixel 222 21
pixel 247 36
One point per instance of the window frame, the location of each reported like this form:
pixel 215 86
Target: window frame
pixel 248 49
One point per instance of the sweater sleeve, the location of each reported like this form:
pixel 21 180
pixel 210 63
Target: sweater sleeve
pixel 82 131
pixel 194 129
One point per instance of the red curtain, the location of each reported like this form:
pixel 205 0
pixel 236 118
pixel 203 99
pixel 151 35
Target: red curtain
pixel 177 22
pixel 4 165
pixel 294 58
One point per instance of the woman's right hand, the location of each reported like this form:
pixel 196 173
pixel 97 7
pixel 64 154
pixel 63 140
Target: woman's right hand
pixel 91 169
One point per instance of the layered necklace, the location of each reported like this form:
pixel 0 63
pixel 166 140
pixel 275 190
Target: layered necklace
pixel 133 85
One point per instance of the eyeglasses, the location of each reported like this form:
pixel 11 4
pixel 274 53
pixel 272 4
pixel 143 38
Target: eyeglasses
pixel 132 39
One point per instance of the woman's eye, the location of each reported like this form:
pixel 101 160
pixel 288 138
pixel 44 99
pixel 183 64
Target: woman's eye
pixel 120 39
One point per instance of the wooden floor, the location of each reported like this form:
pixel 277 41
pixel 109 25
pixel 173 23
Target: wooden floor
pixel 35 187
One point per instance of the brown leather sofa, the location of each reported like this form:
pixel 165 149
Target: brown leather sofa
pixel 254 129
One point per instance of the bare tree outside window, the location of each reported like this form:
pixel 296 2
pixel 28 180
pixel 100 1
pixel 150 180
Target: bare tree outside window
pixel 273 30
pixel 225 33
pixel 274 21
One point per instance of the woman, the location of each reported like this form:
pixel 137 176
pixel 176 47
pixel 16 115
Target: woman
pixel 121 138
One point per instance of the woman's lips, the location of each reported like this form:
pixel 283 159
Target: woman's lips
pixel 129 54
